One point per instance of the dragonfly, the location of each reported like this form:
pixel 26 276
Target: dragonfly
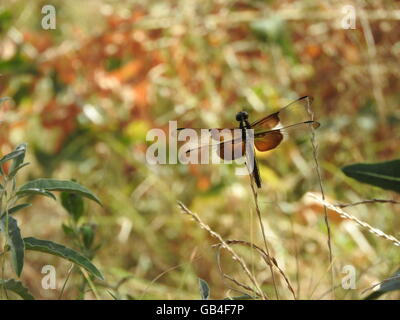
pixel 264 134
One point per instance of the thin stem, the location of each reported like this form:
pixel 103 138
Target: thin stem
pixel 90 282
pixel 268 260
pixel 65 282
pixel 255 196
pixel 225 246
pixel 344 205
pixel 321 187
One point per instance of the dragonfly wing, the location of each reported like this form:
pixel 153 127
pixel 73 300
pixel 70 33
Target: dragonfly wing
pixel 270 139
pixel 226 143
pixel 231 150
pixel 295 112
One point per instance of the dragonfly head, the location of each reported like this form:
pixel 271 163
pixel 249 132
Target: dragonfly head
pixel 242 115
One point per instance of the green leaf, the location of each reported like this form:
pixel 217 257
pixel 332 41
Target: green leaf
pixel 391 284
pixel 14 240
pixel 17 208
pixel 18 161
pixel 17 287
pixel 34 191
pixel 12 155
pixel 73 203
pixel 88 231
pixel 67 230
pixel 204 289
pixel 60 185
pixel 385 175
pixel 63 252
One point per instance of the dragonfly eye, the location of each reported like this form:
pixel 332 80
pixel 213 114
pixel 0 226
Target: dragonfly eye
pixel 242 115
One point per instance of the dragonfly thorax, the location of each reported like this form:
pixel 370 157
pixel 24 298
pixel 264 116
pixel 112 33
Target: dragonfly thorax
pixel 242 115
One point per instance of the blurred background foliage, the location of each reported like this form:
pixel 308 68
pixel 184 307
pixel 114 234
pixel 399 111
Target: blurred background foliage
pixel 85 95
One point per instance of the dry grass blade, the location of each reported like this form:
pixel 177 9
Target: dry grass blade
pixel 363 224
pixel 226 246
pixel 270 261
pixel 321 187
pixel 344 205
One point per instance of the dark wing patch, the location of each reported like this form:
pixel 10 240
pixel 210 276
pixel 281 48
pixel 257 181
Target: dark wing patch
pixel 268 140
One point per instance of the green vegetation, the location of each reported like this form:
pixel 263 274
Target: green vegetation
pixel 15 245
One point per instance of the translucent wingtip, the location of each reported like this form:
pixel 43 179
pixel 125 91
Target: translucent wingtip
pixel 316 124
